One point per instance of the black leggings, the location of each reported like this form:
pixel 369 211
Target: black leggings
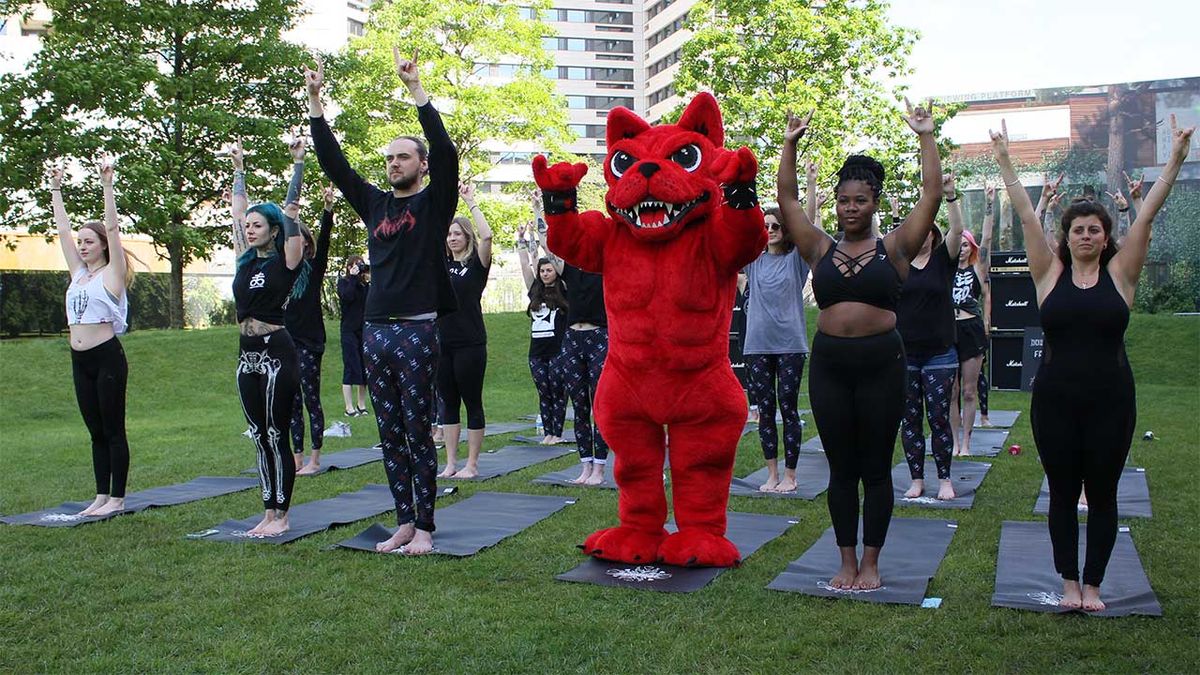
pixel 309 396
pixel 352 358
pixel 101 374
pixel 1083 427
pixel 983 386
pixel 400 360
pixel 856 389
pixel 268 379
pixel 460 374
pixel 552 393
pixel 769 374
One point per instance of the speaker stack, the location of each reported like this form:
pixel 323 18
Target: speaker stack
pixel 1014 308
pixel 737 338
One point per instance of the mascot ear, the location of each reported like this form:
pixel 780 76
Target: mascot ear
pixel 623 123
pixel 703 116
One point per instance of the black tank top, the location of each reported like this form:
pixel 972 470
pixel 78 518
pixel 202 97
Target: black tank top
pixel 262 289
pixel 966 291
pixel 1084 329
pixel 872 278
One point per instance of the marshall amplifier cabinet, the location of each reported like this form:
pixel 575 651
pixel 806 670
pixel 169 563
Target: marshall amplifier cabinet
pixel 1014 298
pixel 1009 263
pixel 1008 348
pixel 737 360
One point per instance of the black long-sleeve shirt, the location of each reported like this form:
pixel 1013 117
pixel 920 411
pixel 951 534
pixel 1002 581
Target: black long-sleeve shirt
pixel 406 236
pixel 353 294
pixel 303 318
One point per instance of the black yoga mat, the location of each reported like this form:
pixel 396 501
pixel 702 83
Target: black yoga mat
pixel 564 478
pixel 966 476
pixel 196 489
pixel 1025 576
pixel 501 428
pixel 986 442
pixel 812 477
pixel 998 418
pixel 311 517
pixel 482 520
pixel 914 550
pixel 568 438
pixel 511 458
pixel 748 531
pixel 1133 496
pixel 345 459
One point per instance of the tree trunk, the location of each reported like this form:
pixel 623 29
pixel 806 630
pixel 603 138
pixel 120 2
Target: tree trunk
pixel 175 253
pixel 1116 140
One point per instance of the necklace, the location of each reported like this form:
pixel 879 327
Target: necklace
pixel 1088 284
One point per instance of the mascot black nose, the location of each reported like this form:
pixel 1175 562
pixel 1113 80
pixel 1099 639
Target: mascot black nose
pixel 647 169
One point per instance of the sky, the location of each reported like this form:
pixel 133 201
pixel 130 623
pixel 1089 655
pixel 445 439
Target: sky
pixel 976 46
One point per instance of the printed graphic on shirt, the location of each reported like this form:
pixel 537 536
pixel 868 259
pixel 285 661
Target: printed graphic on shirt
pixel 543 322
pixel 79 305
pixel 392 225
pixel 962 286
pixel 258 280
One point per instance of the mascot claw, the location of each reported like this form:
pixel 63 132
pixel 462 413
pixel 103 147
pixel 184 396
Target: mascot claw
pixel 624 544
pixel 561 177
pixel 697 548
pixel 739 166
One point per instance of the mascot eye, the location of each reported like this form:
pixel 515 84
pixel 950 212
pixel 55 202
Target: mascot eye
pixel 688 157
pixel 621 162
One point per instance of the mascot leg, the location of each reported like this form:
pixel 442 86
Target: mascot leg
pixel 638 446
pixel 702 453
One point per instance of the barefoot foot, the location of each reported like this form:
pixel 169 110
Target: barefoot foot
pixel 585 472
pixel 1072 598
pixel 96 503
pixel 786 485
pixel 448 472
pixel 946 489
pixel 276 527
pixel 467 471
pixel 257 529
pixel 421 544
pixel 1091 599
pixel 844 579
pixel 916 489
pixel 403 535
pixel 597 476
pixel 113 505
pixel 868 577
pixel 309 469
pixel 772 485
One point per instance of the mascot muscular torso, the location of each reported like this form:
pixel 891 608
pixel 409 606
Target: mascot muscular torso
pixel 683 218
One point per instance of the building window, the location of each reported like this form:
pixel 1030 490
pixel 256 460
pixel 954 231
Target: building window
pixel 666 31
pixel 355 28
pixel 662 94
pixel 665 62
pixel 657 7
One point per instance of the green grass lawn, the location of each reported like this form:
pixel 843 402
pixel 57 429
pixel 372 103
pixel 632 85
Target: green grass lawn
pixel 132 594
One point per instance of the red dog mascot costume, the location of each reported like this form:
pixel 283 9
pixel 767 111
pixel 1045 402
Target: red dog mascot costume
pixel 683 220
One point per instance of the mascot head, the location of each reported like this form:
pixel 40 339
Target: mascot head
pixel 663 178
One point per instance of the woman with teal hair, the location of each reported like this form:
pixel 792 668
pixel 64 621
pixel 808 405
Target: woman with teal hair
pixel 270 273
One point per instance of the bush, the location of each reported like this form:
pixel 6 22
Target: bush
pixel 32 302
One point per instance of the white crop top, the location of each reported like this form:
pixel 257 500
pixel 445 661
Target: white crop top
pixel 91 302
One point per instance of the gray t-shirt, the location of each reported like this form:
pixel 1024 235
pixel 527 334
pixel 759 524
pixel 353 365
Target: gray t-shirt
pixel 775 304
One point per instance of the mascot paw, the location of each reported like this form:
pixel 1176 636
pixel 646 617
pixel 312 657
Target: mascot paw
pixel 697 548
pixel 562 177
pixel 624 544
pixel 739 166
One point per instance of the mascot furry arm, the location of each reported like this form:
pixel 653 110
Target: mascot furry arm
pixel 683 218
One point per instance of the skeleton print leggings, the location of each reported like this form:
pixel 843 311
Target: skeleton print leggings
pixel 309 397
pixel 771 374
pixel 400 359
pixel 581 360
pixel 930 381
pixel 268 380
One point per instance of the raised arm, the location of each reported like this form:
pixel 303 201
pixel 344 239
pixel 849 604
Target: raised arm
pixel 810 194
pixel 296 150
pixel 1126 265
pixel 320 262
pixel 114 273
pixel 1042 264
pixel 467 192
pixel 579 238
pixel 1135 191
pixel 293 244
pixel 1122 205
pixel 910 236
pixel 66 238
pixel 329 151
pixel 983 266
pixel 524 247
pixel 954 215
pixel 811 241
pixel 238 201
pixel 443 156
pixel 540 230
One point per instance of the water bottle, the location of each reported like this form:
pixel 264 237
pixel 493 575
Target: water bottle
pixel 541 430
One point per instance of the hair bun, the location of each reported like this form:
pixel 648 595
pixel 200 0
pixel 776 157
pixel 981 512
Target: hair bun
pixel 858 163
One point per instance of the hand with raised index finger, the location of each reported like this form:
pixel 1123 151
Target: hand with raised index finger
pixel 237 154
pixel 1181 139
pixel 314 79
pixel 1055 199
pixel 329 195
pixel 1118 199
pixel 919 119
pixel 467 192
pixel 1000 140
pixel 810 170
pixel 406 68
pixel 297 146
pixel 54 174
pixel 949 189
pixel 1135 186
pixel 796 127
pixel 104 167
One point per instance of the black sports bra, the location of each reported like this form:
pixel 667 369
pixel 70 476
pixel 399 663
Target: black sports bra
pixel 869 278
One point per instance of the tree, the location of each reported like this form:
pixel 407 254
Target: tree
pixel 163 86
pixel 764 58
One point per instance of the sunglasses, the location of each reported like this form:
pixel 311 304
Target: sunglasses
pixel 774 226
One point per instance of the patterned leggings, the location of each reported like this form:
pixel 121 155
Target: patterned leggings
pixel 309 396
pixel 268 380
pixel 931 381
pixel 552 395
pixel 581 360
pixel 769 373
pixel 983 386
pixel 400 359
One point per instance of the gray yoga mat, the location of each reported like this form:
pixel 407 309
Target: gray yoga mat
pixel 986 442
pixel 966 476
pixel 511 458
pixel 998 418
pixel 1133 496
pixel 482 520
pixel 563 478
pixel 196 489
pixel 914 550
pixel 345 459
pixel 533 416
pixel 748 531
pixel 501 428
pixel 568 438
pixel 812 477
pixel 1025 576
pixel 311 517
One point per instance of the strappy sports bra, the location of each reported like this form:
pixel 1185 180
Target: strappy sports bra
pixel 868 278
